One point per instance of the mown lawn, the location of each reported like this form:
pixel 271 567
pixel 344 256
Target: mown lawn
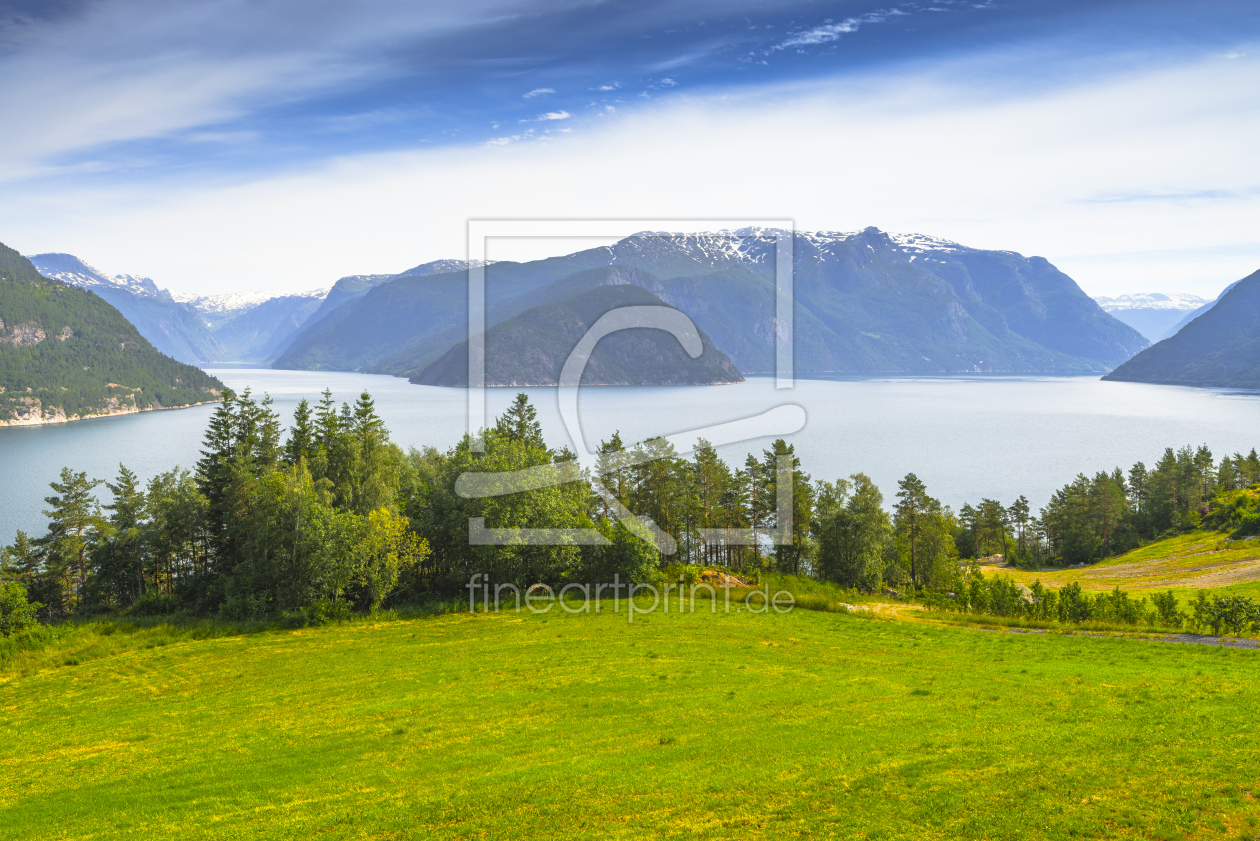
pixel 800 725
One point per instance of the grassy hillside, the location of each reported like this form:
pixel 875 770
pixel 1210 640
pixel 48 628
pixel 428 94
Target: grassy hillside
pixel 65 351
pixel 1186 563
pixel 1219 348
pixel 556 726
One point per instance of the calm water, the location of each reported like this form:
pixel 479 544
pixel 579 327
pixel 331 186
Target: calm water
pixel 966 437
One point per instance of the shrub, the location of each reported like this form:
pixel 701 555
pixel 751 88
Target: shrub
pixel 1167 611
pixel 16 613
pixel 154 604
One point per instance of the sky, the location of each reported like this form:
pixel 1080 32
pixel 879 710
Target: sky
pixel 235 145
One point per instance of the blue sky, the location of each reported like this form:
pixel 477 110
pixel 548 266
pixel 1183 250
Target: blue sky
pixel 231 145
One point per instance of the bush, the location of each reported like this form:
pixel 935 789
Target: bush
pixel 1167 611
pixel 154 604
pixel 16 613
pixel 1226 614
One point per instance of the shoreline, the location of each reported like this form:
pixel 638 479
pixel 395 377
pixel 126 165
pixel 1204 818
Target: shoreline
pixel 63 418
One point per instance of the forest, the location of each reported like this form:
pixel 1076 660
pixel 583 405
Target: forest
pixel 64 348
pixel 331 516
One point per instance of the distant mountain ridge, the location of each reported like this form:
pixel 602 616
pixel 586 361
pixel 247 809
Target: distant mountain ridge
pixel 531 348
pixel 1151 313
pixel 66 353
pixel 866 302
pixel 172 327
pixel 233 327
pixel 1220 348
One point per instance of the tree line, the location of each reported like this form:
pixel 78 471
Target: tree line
pixel 332 515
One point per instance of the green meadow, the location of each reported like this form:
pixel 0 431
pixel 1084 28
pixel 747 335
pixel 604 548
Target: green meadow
pixel 808 724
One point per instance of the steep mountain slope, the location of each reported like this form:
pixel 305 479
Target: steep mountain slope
pixel 531 348
pixel 1220 348
pixel 865 302
pixel 1193 314
pixel 1150 313
pixel 172 327
pixel 65 353
pixel 395 315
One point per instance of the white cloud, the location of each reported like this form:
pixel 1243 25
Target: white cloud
pixel 611 87
pixel 668 83
pixel 832 31
pixel 550 115
pixel 539 92
pixel 1035 173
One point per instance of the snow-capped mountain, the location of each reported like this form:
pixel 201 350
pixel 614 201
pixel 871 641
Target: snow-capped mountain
pixel 1151 313
pixel 174 329
pixel 440 267
pixel 70 269
pixel 218 310
pixel 866 301
pixel 1150 301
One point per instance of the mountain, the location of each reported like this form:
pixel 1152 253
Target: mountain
pixel 66 353
pixel 1193 314
pixel 217 310
pixel 1151 313
pixel 1220 348
pixel 531 348
pixel 427 300
pixel 866 302
pixel 173 328
pixel 259 332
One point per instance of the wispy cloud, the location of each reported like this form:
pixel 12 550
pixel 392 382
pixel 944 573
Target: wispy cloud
pixel 832 31
pixel 539 92
pixel 550 115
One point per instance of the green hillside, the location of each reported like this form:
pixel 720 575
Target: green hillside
pixel 531 348
pixel 64 352
pixel 1220 348
pixel 557 726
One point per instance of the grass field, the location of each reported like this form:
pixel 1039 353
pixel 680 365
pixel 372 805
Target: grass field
pixel 707 726
pixel 1200 560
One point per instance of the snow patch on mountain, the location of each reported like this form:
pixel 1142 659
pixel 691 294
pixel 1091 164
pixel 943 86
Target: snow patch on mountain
pixel 235 303
pixel 70 269
pixel 1151 301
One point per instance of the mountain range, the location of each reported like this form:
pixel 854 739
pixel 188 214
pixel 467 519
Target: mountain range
pixel 1153 314
pixel 865 302
pixel 67 353
pixel 1219 348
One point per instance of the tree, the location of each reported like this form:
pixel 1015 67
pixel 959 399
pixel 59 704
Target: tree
pixel 1018 515
pixel 913 506
pixel 520 423
pixel 301 443
pixel 788 558
pixel 853 532
pixel 75 525
pixel 21 561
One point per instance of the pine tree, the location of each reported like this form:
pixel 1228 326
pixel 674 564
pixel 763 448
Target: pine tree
pixel 913 505
pixel 301 435
pixel 75 524
pixel 520 423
